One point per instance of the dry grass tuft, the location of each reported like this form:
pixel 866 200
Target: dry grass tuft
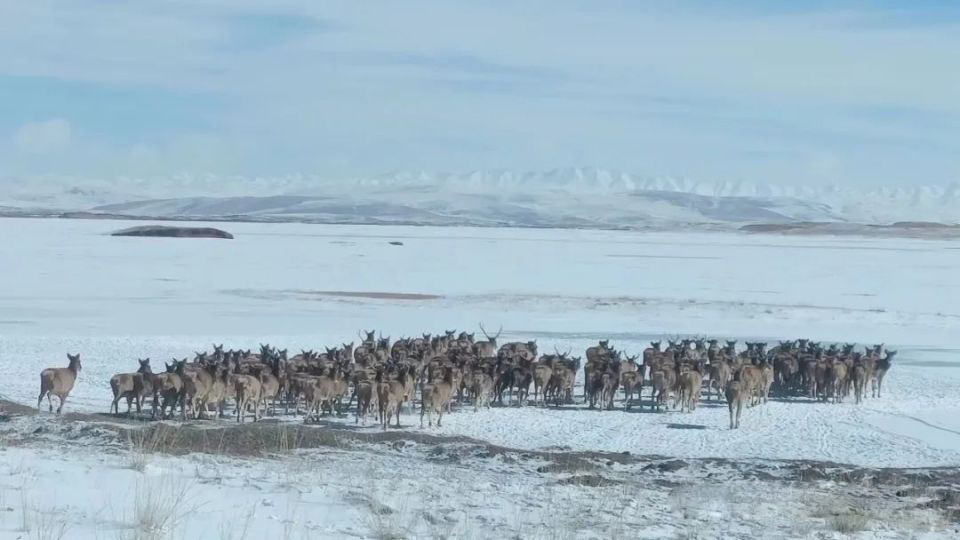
pixel 849 522
pixel 49 526
pixel 159 508
pixel 146 441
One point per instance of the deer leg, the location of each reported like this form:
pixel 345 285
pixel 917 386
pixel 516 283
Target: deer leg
pixel 62 400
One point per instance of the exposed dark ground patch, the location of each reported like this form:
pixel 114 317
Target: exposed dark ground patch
pixel 936 488
pixel 372 295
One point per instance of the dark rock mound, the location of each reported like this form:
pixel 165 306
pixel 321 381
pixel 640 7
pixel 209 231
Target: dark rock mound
pixel 589 480
pixel 174 232
pixel 921 225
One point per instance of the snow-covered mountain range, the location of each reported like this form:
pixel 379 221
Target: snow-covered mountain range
pixel 580 197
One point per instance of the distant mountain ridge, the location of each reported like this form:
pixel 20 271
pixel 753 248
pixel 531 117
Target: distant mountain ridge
pixel 562 197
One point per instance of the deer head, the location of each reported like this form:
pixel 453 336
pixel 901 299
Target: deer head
pixel 144 366
pixel 74 362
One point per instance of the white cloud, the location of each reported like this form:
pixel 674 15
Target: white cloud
pixel 43 137
pixel 650 87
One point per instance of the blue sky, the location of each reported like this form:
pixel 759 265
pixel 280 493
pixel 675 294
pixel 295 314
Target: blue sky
pixel 850 93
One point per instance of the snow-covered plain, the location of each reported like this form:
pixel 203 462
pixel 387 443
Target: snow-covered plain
pixel 68 286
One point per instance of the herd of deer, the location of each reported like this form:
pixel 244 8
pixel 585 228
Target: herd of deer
pixel 382 376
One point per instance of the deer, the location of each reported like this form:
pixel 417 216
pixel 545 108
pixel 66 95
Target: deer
pixel 598 352
pixel 630 381
pixel 609 382
pixel 882 367
pixel 766 380
pixel 541 378
pixel 320 394
pixel 720 373
pixel 689 386
pixel 736 394
pixel 434 397
pixel 859 376
pixel 130 386
pixel 661 384
pixel 197 380
pixel 651 352
pixel 489 347
pixel 838 380
pixel 248 390
pixel 481 389
pixel 168 387
pixel 751 383
pixel 269 384
pixel 59 382
pixel 390 394
pixel 219 389
pixel 366 398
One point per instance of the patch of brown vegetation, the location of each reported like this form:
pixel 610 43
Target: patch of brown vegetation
pixel 372 295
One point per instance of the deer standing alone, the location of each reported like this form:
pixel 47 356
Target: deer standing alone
pixel 59 382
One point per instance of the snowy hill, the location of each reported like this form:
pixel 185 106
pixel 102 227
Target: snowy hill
pixel 562 197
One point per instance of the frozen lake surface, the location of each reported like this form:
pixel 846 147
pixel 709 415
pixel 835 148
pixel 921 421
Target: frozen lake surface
pixel 68 286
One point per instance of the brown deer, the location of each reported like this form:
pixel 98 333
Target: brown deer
pixel 220 389
pixel 766 380
pixel 130 386
pixel 859 381
pixel 487 348
pixel 320 394
pixel 609 384
pixel 736 395
pixel 435 396
pixel 631 381
pixel 59 382
pixel 720 373
pixel 838 381
pixel 168 387
pixel 248 390
pixel 650 353
pixel 541 378
pixel 481 390
pixel 689 394
pixel 197 380
pixel 661 384
pixel 390 396
pixel 366 399
pixel 751 383
pixel 882 367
